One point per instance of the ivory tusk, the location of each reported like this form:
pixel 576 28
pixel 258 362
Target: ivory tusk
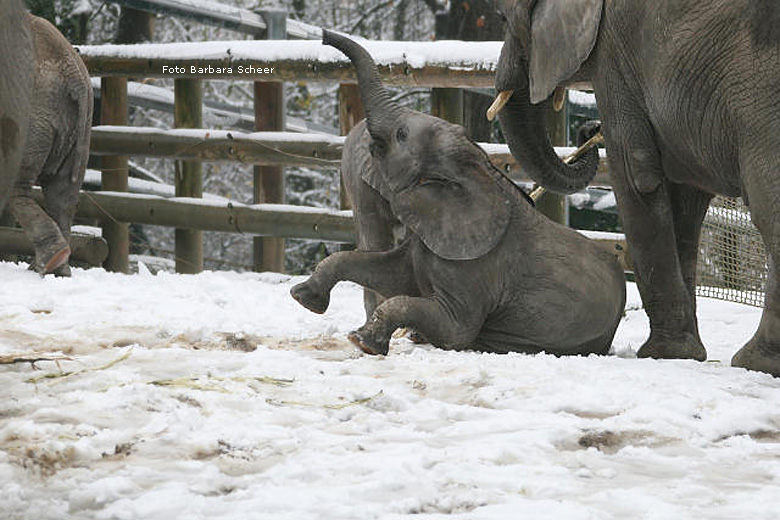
pixel 590 143
pixel 559 97
pixel 537 192
pixel 498 104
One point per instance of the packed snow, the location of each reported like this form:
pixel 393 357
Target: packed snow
pixel 216 396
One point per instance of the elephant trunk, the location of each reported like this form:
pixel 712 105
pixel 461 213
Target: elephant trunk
pixel 525 128
pixel 381 111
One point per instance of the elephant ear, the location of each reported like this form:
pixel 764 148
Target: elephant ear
pixel 563 33
pixel 357 158
pixel 371 175
pixel 455 221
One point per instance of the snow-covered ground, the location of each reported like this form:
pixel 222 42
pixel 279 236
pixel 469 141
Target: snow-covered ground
pixel 217 396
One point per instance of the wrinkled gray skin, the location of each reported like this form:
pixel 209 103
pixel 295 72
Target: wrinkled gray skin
pixel 16 87
pixel 689 95
pixel 480 268
pixel 57 147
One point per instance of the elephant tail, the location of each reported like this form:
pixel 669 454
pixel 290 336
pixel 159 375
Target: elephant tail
pixel 80 91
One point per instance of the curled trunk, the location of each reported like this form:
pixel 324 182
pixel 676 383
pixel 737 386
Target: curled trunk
pixel 525 130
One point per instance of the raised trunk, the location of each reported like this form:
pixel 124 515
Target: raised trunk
pixel 381 111
pixel 525 130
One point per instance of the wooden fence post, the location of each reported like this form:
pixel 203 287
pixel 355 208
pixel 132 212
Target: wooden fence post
pixel 351 112
pixel 446 103
pixel 269 180
pixel 113 111
pixel 188 113
pixel 551 204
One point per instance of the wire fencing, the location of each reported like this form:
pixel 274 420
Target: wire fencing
pixel 733 261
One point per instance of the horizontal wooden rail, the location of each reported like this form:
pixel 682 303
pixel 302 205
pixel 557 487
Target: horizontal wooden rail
pixel 214 113
pixel 264 148
pixel 428 64
pixel 90 249
pixel 279 220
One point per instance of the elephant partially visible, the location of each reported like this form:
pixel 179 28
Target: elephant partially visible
pixel 479 268
pixel 57 146
pixel 689 95
pixel 16 89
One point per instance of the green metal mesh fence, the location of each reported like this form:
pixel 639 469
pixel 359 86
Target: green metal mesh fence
pixel 732 257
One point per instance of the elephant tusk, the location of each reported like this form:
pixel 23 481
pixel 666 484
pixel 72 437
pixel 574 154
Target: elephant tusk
pixel 498 104
pixel 559 97
pixel 537 192
pixel 590 143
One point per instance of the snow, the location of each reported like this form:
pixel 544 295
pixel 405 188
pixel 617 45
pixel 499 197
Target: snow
pixel 582 98
pixel 215 396
pixel 457 54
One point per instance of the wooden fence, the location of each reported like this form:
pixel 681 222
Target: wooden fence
pixel 418 64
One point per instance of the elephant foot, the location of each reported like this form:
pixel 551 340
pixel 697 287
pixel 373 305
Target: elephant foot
pixel 755 356
pixel 368 343
pixel 682 346
pixel 417 338
pixel 62 271
pixel 307 295
pixel 52 261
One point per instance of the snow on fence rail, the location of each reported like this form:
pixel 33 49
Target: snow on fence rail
pixel 411 64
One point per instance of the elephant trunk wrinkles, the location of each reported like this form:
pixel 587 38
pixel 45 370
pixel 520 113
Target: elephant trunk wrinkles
pixel 381 111
pixel 525 129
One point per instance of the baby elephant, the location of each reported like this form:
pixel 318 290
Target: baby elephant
pixel 480 268
pixel 57 147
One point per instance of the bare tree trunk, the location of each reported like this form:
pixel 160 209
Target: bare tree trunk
pixel 134 26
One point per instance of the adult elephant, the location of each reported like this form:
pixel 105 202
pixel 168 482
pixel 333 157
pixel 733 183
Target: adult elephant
pixel 689 95
pixel 57 144
pixel 16 87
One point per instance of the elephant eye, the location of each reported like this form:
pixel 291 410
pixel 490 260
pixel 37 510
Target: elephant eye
pixel 401 134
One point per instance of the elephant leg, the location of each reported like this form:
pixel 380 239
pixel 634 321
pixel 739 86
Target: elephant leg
pixel 647 211
pixel 762 352
pixel 375 222
pixel 689 207
pixel 61 195
pixel 51 248
pixel 17 61
pixel 430 316
pixel 388 273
